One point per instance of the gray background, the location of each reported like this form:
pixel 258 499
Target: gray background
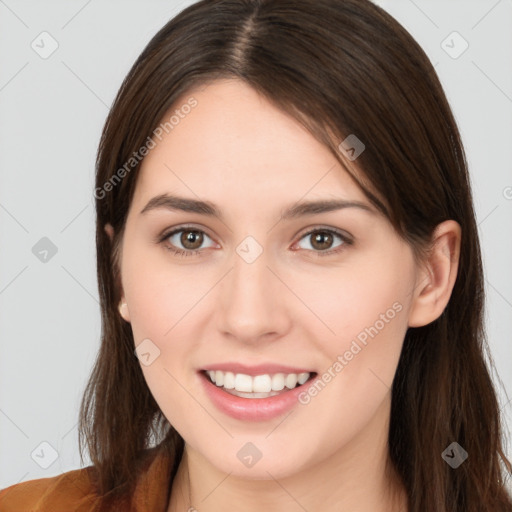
pixel 51 114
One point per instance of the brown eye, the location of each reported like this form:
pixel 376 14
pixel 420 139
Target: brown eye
pixel 322 242
pixel 187 241
pixel 191 240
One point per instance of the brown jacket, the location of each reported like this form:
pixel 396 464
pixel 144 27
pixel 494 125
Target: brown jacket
pixel 73 491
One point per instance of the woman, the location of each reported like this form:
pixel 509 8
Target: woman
pixel 290 278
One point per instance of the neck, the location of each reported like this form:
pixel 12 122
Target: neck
pixel 358 477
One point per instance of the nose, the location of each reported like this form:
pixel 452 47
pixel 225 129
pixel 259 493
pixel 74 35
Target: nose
pixel 253 302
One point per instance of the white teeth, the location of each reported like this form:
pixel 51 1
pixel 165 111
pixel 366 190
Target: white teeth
pixel 291 380
pixel 259 383
pixel 229 380
pixel 262 384
pixel 303 377
pixel 243 382
pixel 278 382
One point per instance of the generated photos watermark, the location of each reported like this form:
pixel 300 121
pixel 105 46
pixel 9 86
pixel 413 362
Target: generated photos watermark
pixel 150 143
pixel 356 346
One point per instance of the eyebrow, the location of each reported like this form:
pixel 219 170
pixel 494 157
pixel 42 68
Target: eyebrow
pixel 300 209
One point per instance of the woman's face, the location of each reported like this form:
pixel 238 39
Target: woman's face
pixel 257 293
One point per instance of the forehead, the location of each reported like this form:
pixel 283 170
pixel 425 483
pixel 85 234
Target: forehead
pixel 234 144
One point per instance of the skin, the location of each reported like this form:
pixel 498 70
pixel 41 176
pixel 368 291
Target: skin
pixel 290 305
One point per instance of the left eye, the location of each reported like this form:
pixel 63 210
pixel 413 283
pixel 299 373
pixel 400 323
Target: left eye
pixel 322 240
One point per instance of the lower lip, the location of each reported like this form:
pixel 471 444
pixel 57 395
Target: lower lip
pixel 252 409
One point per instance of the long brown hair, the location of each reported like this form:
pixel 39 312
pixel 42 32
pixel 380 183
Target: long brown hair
pixel 339 67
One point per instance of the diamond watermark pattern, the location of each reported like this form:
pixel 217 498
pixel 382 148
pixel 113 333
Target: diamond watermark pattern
pixel 454 45
pixel 249 249
pixel 249 455
pixel 352 147
pixel 454 455
pixel 147 352
pixel 44 455
pixel 44 45
pixel 44 250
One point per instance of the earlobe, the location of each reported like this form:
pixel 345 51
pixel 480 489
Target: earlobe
pixel 435 284
pixel 123 306
pixel 123 310
pixel 109 230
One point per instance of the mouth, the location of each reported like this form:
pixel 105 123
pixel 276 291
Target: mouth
pixel 260 386
pixel 254 393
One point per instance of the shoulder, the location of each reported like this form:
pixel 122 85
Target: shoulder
pixel 75 490
pixel 72 490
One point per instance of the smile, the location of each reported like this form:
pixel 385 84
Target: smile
pixel 254 397
pixel 257 386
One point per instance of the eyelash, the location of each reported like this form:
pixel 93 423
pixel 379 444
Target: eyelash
pixel 184 253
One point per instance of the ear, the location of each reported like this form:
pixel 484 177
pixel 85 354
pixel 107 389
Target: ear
pixel 123 310
pixel 123 306
pixel 434 284
pixel 109 230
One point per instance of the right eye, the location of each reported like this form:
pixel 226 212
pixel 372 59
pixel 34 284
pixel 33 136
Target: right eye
pixel 190 239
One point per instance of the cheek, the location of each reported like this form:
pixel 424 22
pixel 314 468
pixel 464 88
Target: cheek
pixel 368 317
pixel 356 301
pixel 165 303
pixel 363 309
pixel 159 292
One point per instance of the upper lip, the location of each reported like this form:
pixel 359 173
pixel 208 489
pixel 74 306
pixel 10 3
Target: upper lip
pixel 260 369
